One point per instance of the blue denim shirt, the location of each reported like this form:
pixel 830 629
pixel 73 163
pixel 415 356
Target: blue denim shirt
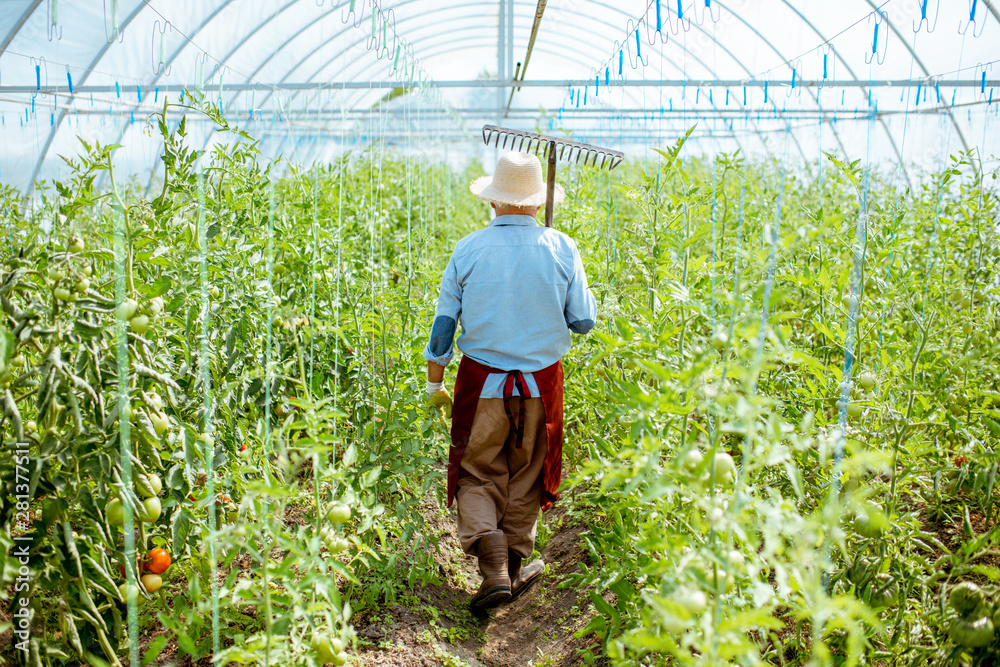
pixel 518 289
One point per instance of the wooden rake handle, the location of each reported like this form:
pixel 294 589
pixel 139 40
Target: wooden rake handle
pixel 550 185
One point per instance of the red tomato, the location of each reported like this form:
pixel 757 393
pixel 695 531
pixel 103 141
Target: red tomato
pixel 157 561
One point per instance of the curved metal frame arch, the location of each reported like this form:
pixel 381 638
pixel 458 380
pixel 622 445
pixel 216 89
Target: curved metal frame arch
pixel 926 72
pixel 289 72
pixel 54 130
pixel 137 10
pixel 18 25
pixel 188 42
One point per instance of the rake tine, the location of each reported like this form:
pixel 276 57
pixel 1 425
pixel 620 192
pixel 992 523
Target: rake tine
pixel 603 160
pixel 578 157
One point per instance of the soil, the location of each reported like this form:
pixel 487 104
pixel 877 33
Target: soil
pixel 432 625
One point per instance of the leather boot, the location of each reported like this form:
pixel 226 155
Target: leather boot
pixel 522 578
pixel 491 549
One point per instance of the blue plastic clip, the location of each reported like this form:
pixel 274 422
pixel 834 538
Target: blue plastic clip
pixel 972 21
pixel 138 92
pixel 765 92
pixel 69 80
pixel 671 104
pixel 607 76
pixel 118 90
pixel 937 91
pixel 919 88
pixel 156 94
pixel 38 77
pixel 585 89
pixel 52 120
pixel 825 57
pixel 710 100
pixel 697 96
pixel 32 105
pixel 744 95
pixel 659 23
pixel 621 61
pixel 794 72
pixel 727 97
pixel 597 86
pixel 638 47
pixel 982 86
pixel 131 118
pixel 680 10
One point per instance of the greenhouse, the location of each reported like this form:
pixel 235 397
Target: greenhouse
pixel 505 333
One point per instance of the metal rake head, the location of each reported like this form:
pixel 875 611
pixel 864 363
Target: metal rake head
pixel 529 142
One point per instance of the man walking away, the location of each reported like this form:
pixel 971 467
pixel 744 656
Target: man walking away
pixel 518 290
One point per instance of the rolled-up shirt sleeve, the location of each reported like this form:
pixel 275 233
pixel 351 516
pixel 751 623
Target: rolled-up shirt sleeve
pixel 581 308
pixel 440 347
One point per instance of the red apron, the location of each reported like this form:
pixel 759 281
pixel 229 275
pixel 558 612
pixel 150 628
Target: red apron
pixel 469 385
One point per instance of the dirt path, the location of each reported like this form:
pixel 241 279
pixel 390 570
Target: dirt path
pixel 433 626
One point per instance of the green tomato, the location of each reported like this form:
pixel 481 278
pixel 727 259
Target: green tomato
pixel 861 571
pixel 153 401
pixel 885 592
pixel 719 340
pixel 160 422
pixel 214 291
pixel 865 522
pixel 338 545
pixel 340 658
pixel 139 324
pixel 82 285
pixel 55 273
pixel 971 634
pixel 867 381
pixel 692 459
pixel 966 598
pixel 692 600
pixel 62 294
pixel 126 309
pixel 872 316
pixel 338 513
pixel 724 465
pixel 87 270
pixel 115 512
pixel 76 244
pixel 854 411
pixel 155 305
pixel 130 594
pixel 151 510
pixel 323 649
pixel 17 360
pixel 148 486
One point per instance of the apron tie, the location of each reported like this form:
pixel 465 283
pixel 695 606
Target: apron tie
pixel 515 378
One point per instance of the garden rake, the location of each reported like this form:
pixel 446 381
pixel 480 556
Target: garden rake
pixel 552 149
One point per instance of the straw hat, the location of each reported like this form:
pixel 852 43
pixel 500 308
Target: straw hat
pixel 517 181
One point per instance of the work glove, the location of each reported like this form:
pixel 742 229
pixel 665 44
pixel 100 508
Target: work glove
pixel 439 398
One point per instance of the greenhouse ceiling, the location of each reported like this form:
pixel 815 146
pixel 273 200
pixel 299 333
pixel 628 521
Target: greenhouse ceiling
pixel 900 81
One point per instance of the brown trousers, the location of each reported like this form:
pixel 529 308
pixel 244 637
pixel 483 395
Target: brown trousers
pixel 499 485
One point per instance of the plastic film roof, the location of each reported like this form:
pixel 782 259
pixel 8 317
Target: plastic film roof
pixel 899 81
